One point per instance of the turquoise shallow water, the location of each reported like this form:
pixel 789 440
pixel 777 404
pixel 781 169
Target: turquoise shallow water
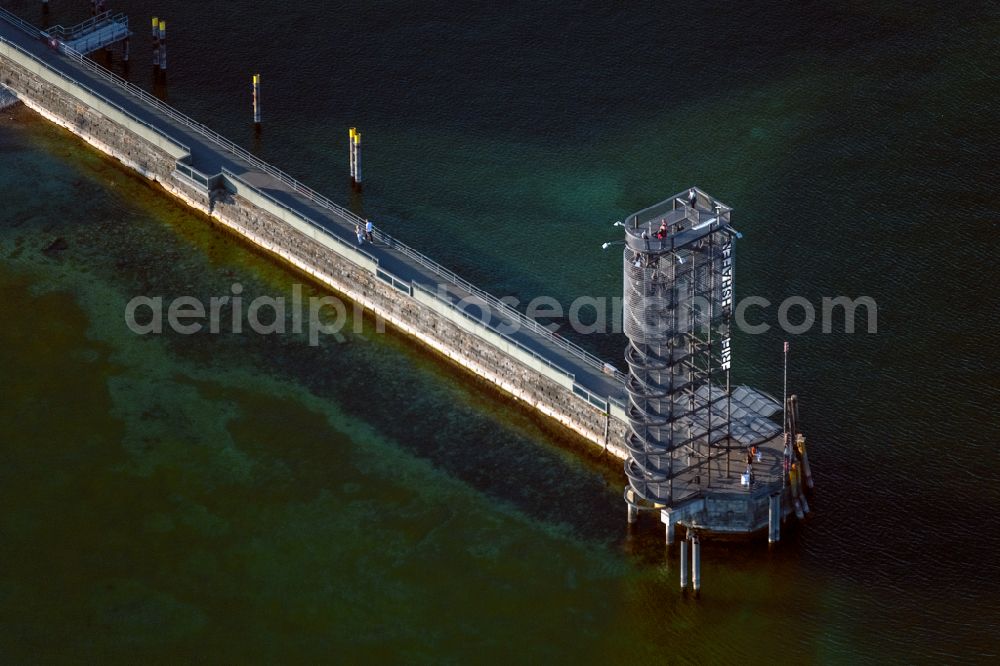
pixel 247 498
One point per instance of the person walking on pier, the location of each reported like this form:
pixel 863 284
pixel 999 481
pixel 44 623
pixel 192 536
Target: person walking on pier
pixel 360 234
pixel 369 229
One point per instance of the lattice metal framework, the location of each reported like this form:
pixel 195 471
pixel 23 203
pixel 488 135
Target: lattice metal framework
pixel 678 305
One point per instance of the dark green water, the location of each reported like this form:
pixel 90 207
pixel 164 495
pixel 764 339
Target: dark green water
pixel 245 498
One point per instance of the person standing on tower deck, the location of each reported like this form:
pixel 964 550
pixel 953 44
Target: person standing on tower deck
pixel 692 197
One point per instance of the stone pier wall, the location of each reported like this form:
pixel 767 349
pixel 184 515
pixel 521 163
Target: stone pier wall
pixel 153 153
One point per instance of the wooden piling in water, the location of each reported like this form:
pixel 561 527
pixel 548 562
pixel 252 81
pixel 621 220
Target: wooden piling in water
pixel 256 101
pixel 163 47
pixel 774 518
pixel 357 158
pixel 684 564
pixel 350 150
pixel 156 43
pixel 695 563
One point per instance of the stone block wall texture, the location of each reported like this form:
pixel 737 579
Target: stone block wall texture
pixel 355 282
pixel 63 108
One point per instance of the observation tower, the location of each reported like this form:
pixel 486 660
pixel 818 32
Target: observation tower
pixel 705 453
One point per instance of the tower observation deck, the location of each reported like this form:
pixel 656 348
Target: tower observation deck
pixel 689 429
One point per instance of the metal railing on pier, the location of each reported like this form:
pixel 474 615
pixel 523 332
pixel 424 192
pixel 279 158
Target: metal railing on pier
pixel 317 227
pixel 71 33
pixel 20 23
pixel 437 269
pixel 131 116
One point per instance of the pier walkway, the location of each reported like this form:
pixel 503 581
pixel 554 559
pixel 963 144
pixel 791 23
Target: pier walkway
pixel 93 34
pixel 404 267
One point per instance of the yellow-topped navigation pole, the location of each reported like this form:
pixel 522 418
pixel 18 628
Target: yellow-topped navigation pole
pixel 156 42
pixel 357 158
pixel 354 145
pixel 256 101
pixel 163 47
pixel 350 150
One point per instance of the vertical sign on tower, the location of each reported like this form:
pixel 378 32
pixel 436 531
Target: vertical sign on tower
pixel 727 300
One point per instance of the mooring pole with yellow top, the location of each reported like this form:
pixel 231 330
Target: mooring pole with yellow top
pixel 350 150
pixel 357 158
pixel 163 47
pixel 354 150
pixel 156 42
pixel 256 101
